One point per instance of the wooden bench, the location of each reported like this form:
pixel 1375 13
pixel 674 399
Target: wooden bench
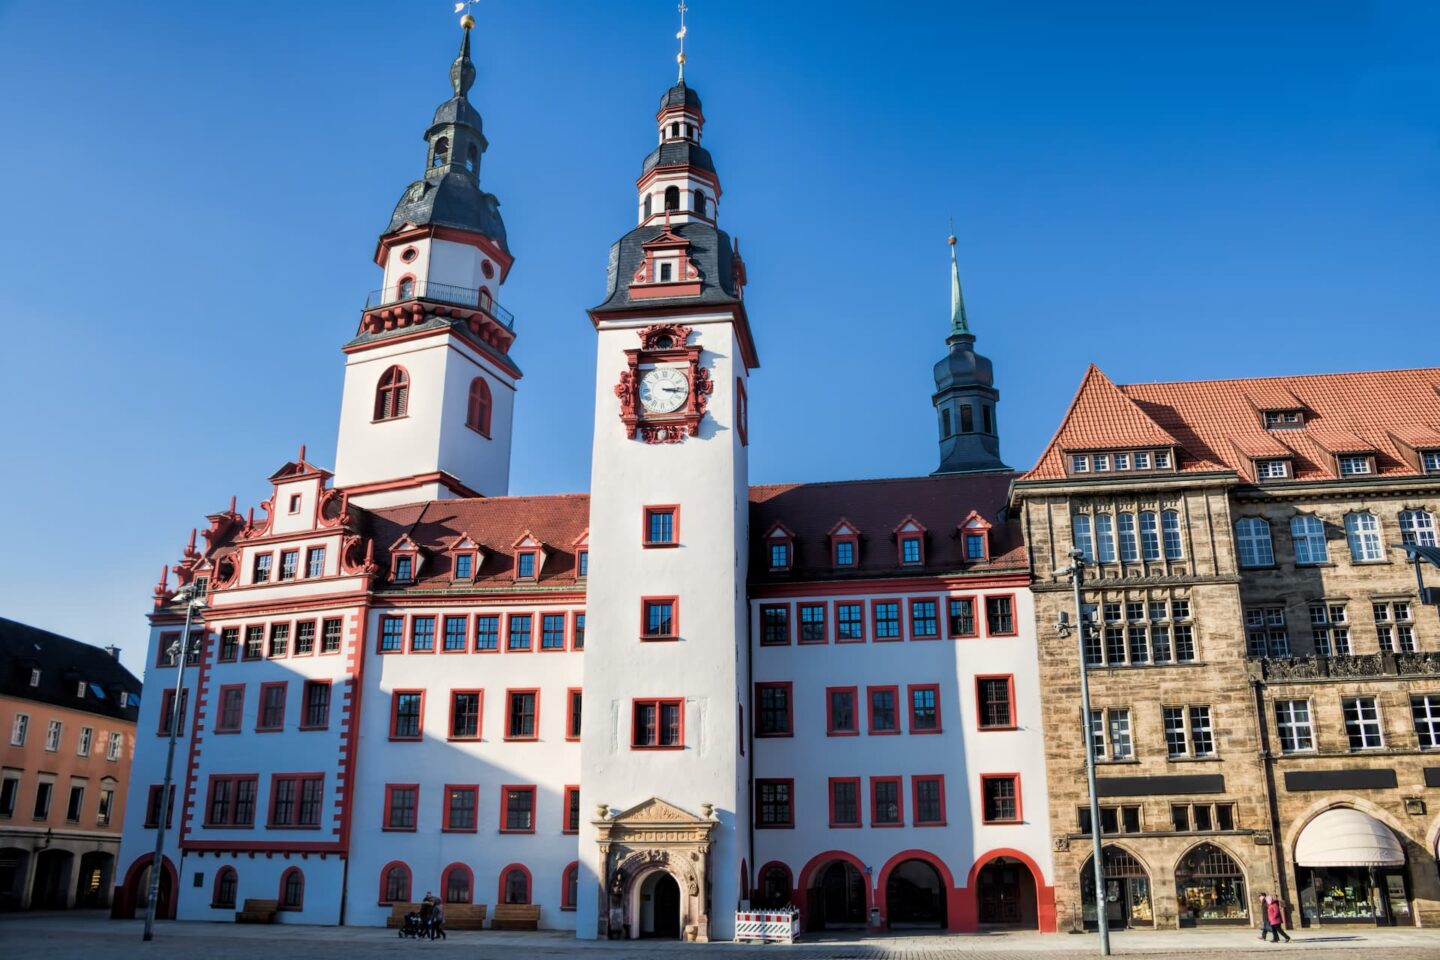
pixel 258 911
pixel 516 916
pixel 458 916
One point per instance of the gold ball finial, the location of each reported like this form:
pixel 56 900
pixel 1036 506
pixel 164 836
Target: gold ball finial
pixel 467 21
pixel 951 240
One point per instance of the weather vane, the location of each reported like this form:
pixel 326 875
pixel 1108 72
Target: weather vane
pixel 680 57
pixel 468 20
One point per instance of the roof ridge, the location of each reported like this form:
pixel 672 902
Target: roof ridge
pixel 1280 376
pixel 924 476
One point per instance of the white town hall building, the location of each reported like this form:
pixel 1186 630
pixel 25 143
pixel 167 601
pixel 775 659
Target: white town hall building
pixel 636 709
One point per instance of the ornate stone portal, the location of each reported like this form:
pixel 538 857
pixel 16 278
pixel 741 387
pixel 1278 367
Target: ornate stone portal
pixel 652 837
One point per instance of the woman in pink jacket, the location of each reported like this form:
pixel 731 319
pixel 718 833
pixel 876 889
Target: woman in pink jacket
pixel 1275 912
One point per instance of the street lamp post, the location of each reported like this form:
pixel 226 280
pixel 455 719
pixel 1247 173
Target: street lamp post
pixel 180 650
pixel 1076 572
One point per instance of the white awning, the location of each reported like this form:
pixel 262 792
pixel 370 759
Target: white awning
pixel 1347 838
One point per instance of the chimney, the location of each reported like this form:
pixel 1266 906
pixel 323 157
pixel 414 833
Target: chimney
pixel 114 651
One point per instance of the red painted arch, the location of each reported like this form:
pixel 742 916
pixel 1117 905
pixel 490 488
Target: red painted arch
pixel 529 882
pixel 812 867
pixel 759 887
pixel 409 880
pixel 469 882
pixel 1044 895
pixel 127 895
pixel 954 908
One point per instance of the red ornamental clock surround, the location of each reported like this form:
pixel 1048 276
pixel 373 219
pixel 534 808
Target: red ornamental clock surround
pixel 664 343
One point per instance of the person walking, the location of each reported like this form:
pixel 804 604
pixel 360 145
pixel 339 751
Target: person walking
pixel 1264 915
pixel 1276 914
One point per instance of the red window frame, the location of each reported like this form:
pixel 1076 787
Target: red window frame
pixel 529 884
pixel 447 873
pixel 757 711
pixel 305 689
pixel 899 783
pixel 915 782
pixel 567 902
pixel 659 703
pixel 260 725
pixel 284 877
pixel 1019 808
pixel 1009 680
pixel 864 627
pixel 910 692
pixel 903 536
pixel 474 556
pixel 446 824
pixel 478 407
pixel 510 621
pixel 221 875
pixel 479 714
pixel 975 615
pixel 390 789
pixel 446 634
pixel 974 530
pixel 847 538
pixel 232 780
pixel 270 648
pixel 674 633
pixel 412 562
pixel 784 608
pixel 220 703
pixel 571 798
pixel 659 508
pixel 534 553
pixel 486 618
pixel 573 716
pixel 875 606
pixel 787 824
pixel 800 623
pixel 915 634
pixel 380 637
pixel 294 557
pixel 564 617
pixel 229 646
pixel 870 710
pixel 577 631
pixel 299 631
pixel 419 734
pixel 830 799
pixel 167 705
pixel 830 728
pixel 384 884
pixel 505 790
pixel 1014 616
pixel 434 638
pixel 310 554
pixel 510 695
pixel 301 779
pixel 392 394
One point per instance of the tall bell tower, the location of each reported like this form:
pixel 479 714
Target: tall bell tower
pixel 666 666
pixel 429 382
pixel 965 396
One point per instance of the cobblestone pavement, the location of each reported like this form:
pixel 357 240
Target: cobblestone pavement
pixel 90 936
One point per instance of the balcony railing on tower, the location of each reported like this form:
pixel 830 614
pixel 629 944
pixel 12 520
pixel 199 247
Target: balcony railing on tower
pixel 441 293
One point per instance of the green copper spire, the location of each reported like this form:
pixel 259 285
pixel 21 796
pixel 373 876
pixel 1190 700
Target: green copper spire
pixel 958 323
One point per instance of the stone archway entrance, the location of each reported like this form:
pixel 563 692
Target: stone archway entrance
pixel 655 858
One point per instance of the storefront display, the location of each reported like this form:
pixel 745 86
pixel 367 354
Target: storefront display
pixel 1127 891
pixel 1353 895
pixel 1210 888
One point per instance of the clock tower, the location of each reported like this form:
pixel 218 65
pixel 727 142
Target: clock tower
pixel 666 669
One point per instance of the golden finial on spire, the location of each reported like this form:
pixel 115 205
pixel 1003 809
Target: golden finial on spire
pixel 680 57
pixel 466 21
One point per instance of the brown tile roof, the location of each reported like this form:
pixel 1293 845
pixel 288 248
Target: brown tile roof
pixel 876 508
pixel 1218 424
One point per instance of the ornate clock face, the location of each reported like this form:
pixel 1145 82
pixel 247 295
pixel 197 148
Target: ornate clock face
pixel 663 390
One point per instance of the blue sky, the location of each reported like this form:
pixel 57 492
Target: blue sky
pixel 193 193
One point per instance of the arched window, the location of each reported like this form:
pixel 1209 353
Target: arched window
pixel 1417 528
pixel 458 883
pixel 442 152
pixel 486 300
pixel 515 884
pixel 700 210
pixel 1170 533
pixel 395 883
pixel 675 129
pixel 392 396
pixel 570 886
pixel 292 889
pixel 405 290
pixel 1104 538
pixel 472 158
pixel 672 198
pixel 1211 886
pixel 649 205
pixel 1080 533
pixel 1363 532
pixel 1125 526
pixel 1149 535
pixel 1308 535
pixel 225 883
pixel 774 887
pixel 1252 537
pixel 477 412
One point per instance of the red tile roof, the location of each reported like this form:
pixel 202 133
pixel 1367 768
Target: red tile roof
pixel 876 508
pixel 1218 423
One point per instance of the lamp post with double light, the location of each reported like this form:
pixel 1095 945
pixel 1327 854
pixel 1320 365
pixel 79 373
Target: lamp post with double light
pixel 179 652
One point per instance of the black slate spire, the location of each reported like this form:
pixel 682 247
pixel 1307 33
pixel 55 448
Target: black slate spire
pixel 965 394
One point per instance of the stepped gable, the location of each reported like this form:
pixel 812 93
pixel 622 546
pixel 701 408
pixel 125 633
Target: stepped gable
pixel 496 524
pixel 64 664
pixel 875 508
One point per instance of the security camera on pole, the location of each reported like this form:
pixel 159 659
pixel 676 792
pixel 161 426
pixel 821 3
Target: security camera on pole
pixel 1085 622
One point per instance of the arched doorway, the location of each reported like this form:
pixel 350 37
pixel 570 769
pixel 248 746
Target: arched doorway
pixel 136 889
pixel 51 887
pixel 14 863
pixel 660 907
pixel 1351 869
pixel 915 896
pixel 93 880
pixel 1005 895
pixel 837 897
pixel 1210 888
pixel 1128 901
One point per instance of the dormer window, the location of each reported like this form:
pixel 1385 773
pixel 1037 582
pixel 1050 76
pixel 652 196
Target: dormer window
pixel 525 565
pixel 1162 459
pixel 975 531
pixel 667 271
pixel 1142 460
pixel 1284 419
pixel 1079 463
pixel 465 565
pixel 1352 466
pixel 844 545
pixel 582 564
pixel 910 540
pixel 1272 469
pixel 779 556
pixel 1431 461
pixel 403 569
pixel 779 547
pixel 910 551
pixel 1122 461
pixel 1101 462
pixel 975 546
pixel 294 503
